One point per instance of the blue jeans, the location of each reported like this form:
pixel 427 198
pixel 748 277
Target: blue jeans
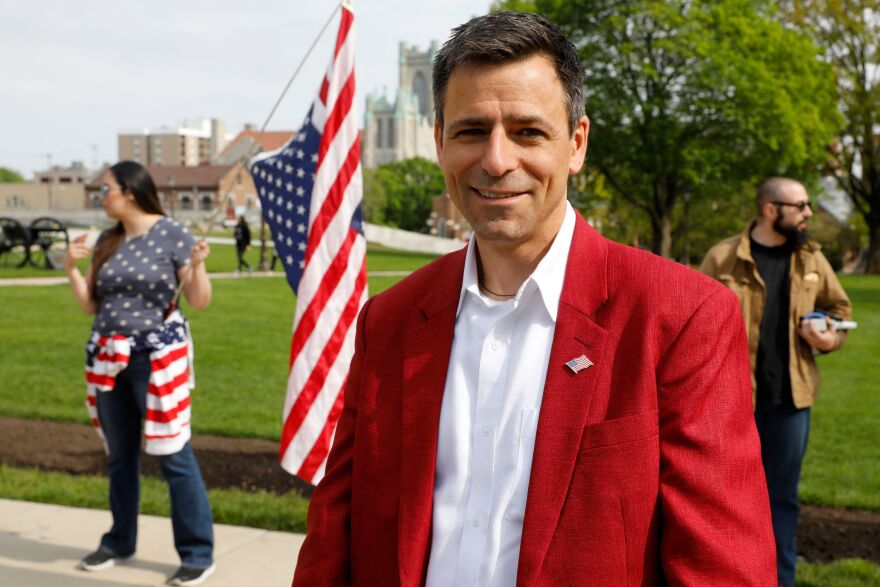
pixel 784 431
pixel 121 412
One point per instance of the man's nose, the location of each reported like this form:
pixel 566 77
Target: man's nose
pixel 500 155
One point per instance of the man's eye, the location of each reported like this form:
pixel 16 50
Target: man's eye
pixel 469 132
pixel 531 132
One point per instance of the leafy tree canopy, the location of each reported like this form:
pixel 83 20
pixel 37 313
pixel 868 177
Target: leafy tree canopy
pixel 690 101
pixel 10 176
pixel 399 194
pixel 850 32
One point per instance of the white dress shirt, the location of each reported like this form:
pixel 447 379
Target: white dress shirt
pixel 488 419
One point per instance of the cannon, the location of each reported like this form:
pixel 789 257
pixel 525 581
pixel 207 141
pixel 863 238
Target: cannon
pixel 48 241
pixel 14 243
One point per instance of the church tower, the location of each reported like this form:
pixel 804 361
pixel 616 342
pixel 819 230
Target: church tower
pixel 415 76
pixel 394 131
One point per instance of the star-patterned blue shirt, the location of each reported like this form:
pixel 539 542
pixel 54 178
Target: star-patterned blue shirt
pixel 137 283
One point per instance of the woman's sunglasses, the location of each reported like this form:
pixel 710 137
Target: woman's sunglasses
pixel 105 190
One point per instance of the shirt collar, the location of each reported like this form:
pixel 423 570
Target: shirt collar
pixel 547 277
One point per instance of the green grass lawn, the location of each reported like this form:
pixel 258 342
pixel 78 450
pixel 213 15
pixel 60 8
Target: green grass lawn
pixel 241 365
pixel 842 573
pixel 842 467
pixel 241 342
pixel 223 259
pixel 258 509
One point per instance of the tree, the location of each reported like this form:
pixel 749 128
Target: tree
pixel 692 100
pixel 850 32
pixel 399 194
pixel 10 176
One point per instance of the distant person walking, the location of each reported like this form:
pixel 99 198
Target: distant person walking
pixel 242 244
pixel 780 276
pixel 138 365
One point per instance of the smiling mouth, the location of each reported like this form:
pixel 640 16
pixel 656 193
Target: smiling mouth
pixel 496 195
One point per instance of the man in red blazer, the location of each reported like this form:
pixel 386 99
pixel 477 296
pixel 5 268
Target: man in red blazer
pixel 545 407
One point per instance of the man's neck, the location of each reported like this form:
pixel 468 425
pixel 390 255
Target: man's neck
pixel 764 234
pixel 503 267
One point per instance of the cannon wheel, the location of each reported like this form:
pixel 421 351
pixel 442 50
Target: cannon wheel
pixel 49 240
pixel 14 243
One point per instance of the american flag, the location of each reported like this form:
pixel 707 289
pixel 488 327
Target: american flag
pixel 311 194
pixel 580 363
pixel 167 419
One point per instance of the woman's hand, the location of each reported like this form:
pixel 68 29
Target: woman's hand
pixel 77 250
pixel 199 253
pixel 196 285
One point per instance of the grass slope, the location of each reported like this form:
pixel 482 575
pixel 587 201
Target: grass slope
pixel 241 368
pixel 223 259
pixel 842 467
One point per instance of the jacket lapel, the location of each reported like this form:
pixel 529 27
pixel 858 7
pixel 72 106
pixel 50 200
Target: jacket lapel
pixel 567 396
pixel 426 350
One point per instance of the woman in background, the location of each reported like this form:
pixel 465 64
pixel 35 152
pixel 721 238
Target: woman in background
pixel 138 366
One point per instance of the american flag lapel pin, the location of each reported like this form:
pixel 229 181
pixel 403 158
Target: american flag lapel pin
pixel 578 364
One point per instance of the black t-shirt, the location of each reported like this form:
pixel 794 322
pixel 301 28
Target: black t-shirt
pixel 771 371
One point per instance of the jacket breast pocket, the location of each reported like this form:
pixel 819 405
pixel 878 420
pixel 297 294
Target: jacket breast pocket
pixel 619 463
pixel 806 296
pixel 621 430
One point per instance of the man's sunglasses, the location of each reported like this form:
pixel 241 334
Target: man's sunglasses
pixel 799 205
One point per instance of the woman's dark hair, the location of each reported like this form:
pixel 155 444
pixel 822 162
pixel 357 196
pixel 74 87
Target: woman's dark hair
pixel 502 37
pixel 133 178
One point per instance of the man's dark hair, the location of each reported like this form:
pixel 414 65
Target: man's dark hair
pixel 501 37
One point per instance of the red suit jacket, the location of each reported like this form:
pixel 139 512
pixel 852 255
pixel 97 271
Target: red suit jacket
pixel 647 466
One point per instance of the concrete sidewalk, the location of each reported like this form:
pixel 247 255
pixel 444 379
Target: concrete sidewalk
pixel 41 545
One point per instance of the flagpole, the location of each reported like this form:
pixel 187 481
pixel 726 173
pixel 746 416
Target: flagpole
pixel 298 68
pixel 242 162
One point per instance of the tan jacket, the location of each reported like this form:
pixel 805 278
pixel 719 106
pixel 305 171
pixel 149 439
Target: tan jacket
pixel 814 286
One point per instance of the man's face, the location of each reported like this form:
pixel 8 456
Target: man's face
pixel 790 221
pixel 506 151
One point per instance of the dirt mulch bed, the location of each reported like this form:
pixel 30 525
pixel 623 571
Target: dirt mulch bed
pixel 251 464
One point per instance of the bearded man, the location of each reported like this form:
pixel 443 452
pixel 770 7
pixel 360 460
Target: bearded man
pixel 780 276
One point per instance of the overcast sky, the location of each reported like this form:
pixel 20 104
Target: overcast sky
pixel 73 73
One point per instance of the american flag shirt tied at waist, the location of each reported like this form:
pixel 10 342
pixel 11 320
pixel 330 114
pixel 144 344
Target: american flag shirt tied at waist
pixel 167 418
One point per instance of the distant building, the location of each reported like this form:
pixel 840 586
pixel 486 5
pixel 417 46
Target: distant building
pixel 40 197
pixel 404 128
pixel 834 200
pixel 189 144
pixel 58 174
pixel 243 145
pixel 57 188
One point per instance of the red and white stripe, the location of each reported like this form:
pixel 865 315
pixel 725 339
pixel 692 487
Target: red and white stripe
pixel 167 420
pixel 334 282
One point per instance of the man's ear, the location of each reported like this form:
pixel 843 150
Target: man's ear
pixel 579 140
pixel 438 140
pixel 769 211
